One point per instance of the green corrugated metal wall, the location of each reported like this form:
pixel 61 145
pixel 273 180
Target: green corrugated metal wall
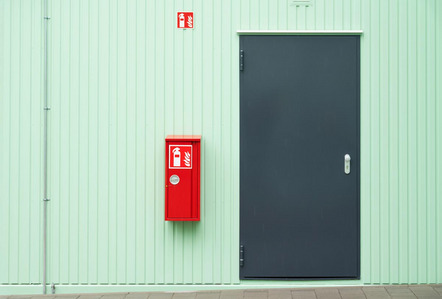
pixel 122 77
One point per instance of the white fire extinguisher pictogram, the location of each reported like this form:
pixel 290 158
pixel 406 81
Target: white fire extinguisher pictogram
pixel 176 157
pixel 181 18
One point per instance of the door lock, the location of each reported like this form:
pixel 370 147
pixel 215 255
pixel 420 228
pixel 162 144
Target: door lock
pixel 347 160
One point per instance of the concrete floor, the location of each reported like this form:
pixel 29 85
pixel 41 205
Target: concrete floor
pixel 368 292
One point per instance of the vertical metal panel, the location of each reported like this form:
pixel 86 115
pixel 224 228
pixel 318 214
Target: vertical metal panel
pixel 393 130
pixel 384 128
pixel 403 140
pixel 437 135
pixel 122 77
pixel 20 141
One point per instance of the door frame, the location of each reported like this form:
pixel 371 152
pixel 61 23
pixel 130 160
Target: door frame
pixel 291 33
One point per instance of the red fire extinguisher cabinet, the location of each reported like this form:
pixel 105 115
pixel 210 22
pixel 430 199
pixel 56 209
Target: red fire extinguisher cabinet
pixel 183 177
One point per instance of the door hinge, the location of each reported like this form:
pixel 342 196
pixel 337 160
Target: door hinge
pixel 241 256
pixel 241 60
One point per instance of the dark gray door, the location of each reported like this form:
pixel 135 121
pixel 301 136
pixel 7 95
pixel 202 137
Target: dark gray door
pixel 299 117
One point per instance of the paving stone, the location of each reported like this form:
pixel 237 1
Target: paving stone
pixel 234 291
pixel 160 295
pixel 430 297
pixel 231 294
pixel 404 296
pixel 351 293
pixel 256 291
pixel 371 293
pixel 280 294
pixel 327 293
pixel 90 296
pixel 114 296
pixel 303 294
pixel 353 296
pixel 209 291
pixel 133 296
pixel 184 295
pixel 438 289
pixel 423 291
pixel 377 296
pixel 357 290
pixel 398 290
pixel 208 295
pixel 258 294
pixel 375 292
pixel 374 289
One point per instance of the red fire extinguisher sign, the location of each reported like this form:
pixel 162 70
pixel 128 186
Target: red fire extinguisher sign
pixel 184 20
pixel 180 156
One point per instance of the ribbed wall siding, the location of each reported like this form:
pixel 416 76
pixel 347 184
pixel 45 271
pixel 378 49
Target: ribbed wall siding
pixel 21 121
pixel 122 77
pixel 401 142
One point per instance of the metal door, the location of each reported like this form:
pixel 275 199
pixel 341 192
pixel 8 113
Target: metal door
pixel 299 118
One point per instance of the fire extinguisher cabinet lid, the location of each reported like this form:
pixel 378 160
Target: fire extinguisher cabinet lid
pixel 183 137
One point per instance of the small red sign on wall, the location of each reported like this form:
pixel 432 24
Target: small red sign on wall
pixel 184 20
pixel 180 157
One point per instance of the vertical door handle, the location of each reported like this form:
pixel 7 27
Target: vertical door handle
pixel 347 160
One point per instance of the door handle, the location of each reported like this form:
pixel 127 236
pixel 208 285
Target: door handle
pixel 347 160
